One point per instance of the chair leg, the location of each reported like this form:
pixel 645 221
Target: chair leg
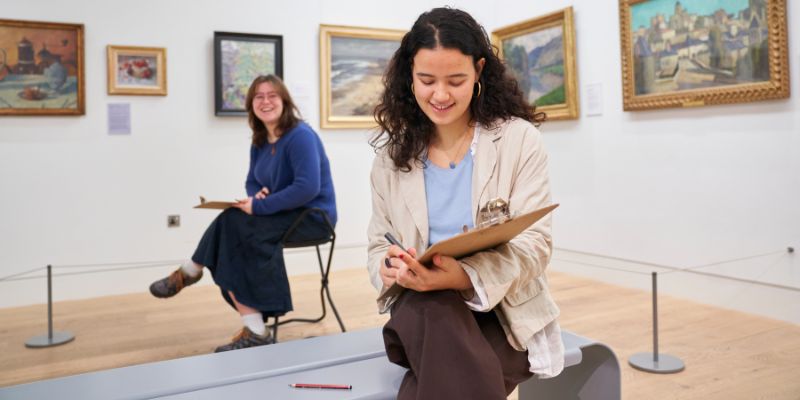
pixel 326 288
pixel 333 307
pixel 275 330
pixel 323 292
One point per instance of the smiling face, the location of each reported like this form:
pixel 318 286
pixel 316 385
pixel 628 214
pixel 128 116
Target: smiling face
pixel 443 85
pixel 267 104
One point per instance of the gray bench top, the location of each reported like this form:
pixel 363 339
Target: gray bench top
pixel 354 358
pixel 374 378
pixel 198 372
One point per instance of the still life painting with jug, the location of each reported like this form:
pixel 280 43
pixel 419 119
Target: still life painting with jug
pixel 41 68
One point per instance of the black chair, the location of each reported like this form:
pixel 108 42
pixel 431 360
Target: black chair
pixel 324 269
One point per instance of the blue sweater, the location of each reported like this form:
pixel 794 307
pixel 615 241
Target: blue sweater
pixel 297 174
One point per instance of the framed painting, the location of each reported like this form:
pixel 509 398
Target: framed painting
pixel 540 54
pixel 238 59
pixel 352 62
pixel 41 68
pixel 137 70
pixel 698 52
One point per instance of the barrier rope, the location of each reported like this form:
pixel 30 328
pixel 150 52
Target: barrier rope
pixel 159 262
pixel 696 267
pixel 9 277
pixel 601 266
pixel 693 269
pixel 94 268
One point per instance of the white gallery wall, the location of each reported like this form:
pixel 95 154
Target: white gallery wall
pixel 678 187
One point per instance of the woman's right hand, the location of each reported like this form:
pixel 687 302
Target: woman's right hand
pixel 262 193
pixel 388 268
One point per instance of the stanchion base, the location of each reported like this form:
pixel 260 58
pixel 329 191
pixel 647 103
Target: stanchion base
pixel 666 363
pixel 45 341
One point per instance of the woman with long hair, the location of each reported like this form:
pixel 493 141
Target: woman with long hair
pixel 456 133
pixel 289 172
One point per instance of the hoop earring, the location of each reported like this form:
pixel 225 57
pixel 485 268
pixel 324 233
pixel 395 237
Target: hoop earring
pixel 479 89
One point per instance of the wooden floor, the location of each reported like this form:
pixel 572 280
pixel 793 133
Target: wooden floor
pixel 728 354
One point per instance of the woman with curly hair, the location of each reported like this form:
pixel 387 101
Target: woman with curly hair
pixel 455 133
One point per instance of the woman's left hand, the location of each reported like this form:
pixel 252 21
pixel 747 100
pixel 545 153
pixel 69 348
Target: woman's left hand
pixel 245 205
pixel 445 273
pixel 262 194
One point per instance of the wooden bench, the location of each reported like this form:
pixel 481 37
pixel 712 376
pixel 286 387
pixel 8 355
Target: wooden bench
pixel 354 358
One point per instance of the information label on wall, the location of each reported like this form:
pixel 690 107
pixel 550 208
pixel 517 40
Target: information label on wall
pixel 594 99
pixel 119 118
pixel 301 95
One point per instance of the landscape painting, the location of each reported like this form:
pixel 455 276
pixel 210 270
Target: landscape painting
pixel 239 58
pixel 353 63
pixel 537 61
pixel 706 51
pixel 357 67
pixel 41 68
pixel 540 54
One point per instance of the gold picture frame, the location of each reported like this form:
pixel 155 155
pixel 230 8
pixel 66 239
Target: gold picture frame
pixel 696 53
pixel 41 68
pixel 352 62
pixel 548 42
pixel 134 70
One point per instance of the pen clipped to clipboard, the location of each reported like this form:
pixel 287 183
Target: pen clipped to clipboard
pixel 495 226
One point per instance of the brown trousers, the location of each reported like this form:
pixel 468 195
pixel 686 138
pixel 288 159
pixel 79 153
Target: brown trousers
pixel 450 351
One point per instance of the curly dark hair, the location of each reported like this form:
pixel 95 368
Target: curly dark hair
pixel 407 129
pixel 290 116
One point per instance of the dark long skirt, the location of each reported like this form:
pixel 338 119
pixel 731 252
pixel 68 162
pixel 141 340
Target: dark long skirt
pixel 244 254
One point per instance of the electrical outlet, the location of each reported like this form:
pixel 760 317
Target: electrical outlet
pixel 173 221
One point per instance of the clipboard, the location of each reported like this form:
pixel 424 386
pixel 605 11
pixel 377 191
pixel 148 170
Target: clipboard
pixel 215 205
pixel 471 242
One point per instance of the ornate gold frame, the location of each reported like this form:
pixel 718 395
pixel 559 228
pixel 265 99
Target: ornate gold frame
pixel 159 53
pixel 326 32
pixel 776 88
pixel 80 107
pixel 569 109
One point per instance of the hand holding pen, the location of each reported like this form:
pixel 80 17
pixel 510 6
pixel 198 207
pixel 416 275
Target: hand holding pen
pixel 401 267
pixel 395 258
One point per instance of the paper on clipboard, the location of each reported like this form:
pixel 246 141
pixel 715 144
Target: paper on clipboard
pixel 216 205
pixel 471 242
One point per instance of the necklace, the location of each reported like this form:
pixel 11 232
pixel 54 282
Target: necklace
pixel 273 144
pixel 460 147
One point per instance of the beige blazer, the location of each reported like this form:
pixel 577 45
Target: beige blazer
pixel 510 163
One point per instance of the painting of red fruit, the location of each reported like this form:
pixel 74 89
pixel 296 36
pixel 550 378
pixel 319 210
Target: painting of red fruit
pixel 137 70
pixel 134 70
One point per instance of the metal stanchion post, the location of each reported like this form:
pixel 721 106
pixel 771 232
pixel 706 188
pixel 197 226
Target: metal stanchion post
pixel 655 362
pixel 52 338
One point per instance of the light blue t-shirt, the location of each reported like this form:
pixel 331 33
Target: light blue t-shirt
pixel 449 195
